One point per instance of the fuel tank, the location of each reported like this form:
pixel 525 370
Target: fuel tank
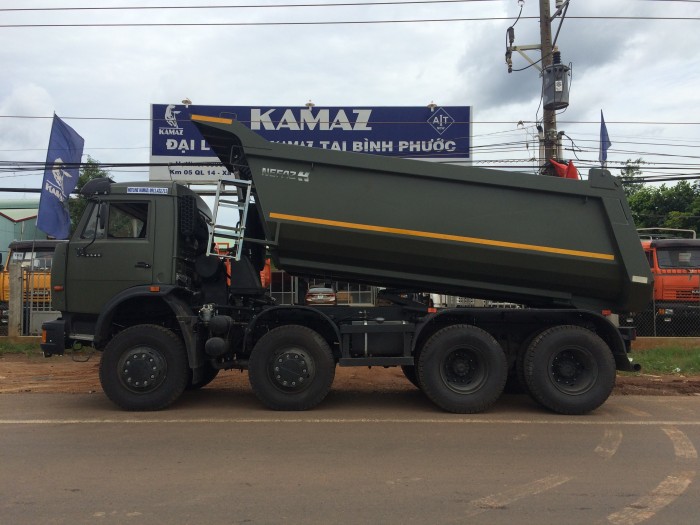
pixel 464 231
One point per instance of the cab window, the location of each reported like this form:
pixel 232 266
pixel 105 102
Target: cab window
pixel 684 257
pixel 38 260
pixel 118 220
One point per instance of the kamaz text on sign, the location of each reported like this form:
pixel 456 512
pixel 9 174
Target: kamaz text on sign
pixel 442 133
pixel 306 119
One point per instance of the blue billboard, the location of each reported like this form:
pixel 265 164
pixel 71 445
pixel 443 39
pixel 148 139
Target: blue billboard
pixel 429 133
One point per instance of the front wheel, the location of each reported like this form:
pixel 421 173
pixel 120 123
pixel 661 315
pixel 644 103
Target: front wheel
pixel 410 373
pixel 462 369
pixel 144 367
pixel 291 368
pixel 206 375
pixel 569 370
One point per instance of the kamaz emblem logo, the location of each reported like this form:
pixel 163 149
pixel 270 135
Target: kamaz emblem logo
pixel 170 118
pixel 298 176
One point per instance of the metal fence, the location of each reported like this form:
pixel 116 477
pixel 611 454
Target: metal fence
pixel 37 302
pixel 680 319
pixel 26 317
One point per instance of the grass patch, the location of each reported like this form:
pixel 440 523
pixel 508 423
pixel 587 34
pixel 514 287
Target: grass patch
pixel 668 360
pixel 10 347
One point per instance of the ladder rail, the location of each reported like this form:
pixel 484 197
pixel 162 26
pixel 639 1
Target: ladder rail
pixel 223 199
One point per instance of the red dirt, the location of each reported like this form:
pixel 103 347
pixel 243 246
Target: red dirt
pixel 22 374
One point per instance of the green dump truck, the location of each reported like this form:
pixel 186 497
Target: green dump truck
pixel 139 280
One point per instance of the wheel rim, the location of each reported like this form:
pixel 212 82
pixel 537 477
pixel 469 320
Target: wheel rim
pixel 292 370
pixel 573 370
pixel 463 370
pixel 142 369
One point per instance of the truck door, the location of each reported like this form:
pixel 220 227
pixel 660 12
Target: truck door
pixel 112 251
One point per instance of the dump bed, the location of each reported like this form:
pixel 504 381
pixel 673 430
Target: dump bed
pixel 464 231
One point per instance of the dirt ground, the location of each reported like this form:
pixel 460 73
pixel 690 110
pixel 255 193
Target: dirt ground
pixel 79 375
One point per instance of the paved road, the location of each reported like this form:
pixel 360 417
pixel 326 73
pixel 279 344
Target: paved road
pixel 217 457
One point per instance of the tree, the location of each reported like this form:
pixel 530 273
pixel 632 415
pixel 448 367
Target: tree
pixel 628 174
pixel 90 170
pixel 676 206
pixel 688 218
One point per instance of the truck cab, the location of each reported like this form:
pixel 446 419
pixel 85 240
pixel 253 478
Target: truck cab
pixel 675 264
pixel 135 249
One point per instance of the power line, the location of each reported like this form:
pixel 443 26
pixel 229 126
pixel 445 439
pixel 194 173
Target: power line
pixel 329 22
pixel 249 6
pixel 13 166
pixel 268 6
pixel 288 6
pixel 636 143
pixel 529 122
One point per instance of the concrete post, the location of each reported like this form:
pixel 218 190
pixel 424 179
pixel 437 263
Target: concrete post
pixel 15 306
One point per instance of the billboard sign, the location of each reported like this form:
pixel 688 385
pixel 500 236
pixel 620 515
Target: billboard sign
pixel 178 151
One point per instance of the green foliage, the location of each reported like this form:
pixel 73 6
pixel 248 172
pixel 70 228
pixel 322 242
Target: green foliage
pixel 675 206
pixel 9 347
pixel 669 360
pixel 631 170
pixel 90 170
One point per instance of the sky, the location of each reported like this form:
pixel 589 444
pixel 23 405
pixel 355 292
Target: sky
pixel 643 73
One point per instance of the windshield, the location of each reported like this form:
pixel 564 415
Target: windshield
pixel 682 257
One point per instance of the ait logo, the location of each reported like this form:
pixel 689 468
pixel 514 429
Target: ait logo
pixel 440 120
pixel 170 116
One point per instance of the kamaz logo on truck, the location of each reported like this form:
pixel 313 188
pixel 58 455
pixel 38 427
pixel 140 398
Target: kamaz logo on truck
pixel 298 176
pixel 305 119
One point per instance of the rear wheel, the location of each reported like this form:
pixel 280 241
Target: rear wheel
pixel 291 368
pixel 410 372
pixel 516 376
pixel 144 367
pixel 569 370
pixel 462 369
pixel 207 375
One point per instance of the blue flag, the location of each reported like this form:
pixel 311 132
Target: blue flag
pixel 604 141
pixel 60 178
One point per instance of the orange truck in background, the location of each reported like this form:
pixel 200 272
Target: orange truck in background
pixel 674 259
pixel 36 258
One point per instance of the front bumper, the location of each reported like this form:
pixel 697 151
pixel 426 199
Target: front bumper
pixel 53 338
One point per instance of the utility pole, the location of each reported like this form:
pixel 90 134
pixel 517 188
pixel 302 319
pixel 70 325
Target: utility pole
pixel 549 119
pixel 555 89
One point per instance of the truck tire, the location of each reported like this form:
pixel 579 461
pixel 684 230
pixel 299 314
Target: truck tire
pixel 569 370
pixel 410 373
pixel 144 367
pixel 516 383
pixel 462 369
pixel 209 373
pixel 291 368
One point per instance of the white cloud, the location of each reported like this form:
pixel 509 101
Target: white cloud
pixel 17 135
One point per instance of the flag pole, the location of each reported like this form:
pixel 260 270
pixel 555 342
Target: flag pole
pixel 604 142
